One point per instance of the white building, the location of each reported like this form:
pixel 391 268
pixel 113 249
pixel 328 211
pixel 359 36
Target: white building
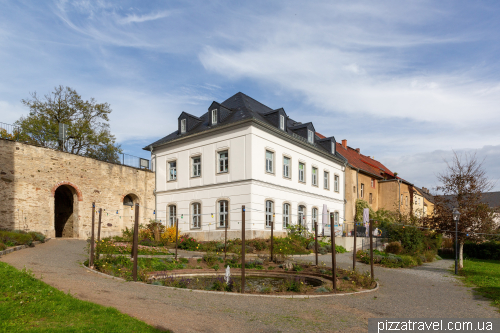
pixel 242 152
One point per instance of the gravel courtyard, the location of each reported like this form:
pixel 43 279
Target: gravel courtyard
pixel 426 291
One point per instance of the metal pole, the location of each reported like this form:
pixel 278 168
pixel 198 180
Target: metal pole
pixel 92 243
pixel 176 236
pixel 225 241
pixel 99 230
pixel 316 241
pixel 272 237
pixel 354 247
pixel 371 248
pixel 135 245
pixel 456 246
pixel 242 249
pixel 334 260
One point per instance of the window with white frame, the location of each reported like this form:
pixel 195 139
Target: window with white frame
pixel 372 182
pixel 223 209
pixel 286 167
pixel 333 147
pixel 196 214
pixel 269 161
pixel 326 180
pixel 172 170
pixel 223 161
pixel 314 216
pixel 336 184
pixel 302 172
pixel 214 116
pixel 302 215
pixel 282 122
pixel 362 190
pixel 310 136
pixel 172 215
pixel 196 166
pixel 286 215
pixel 183 125
pixel 315 176
pixel 269 212
pixel 336 218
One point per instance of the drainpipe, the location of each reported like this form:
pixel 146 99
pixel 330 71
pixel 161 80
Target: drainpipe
pixel 399 196
pixel 357 184
pixel 156 165
pixel 345 167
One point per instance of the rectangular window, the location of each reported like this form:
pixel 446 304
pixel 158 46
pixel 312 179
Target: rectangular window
pixel 302 172
pixel 269 213
pixel 406 200
pixel 183 125
pixel 223 161
pixel 172 170
pixel 223 213
pixel 269 161
pixel 301 215
pixel 196 215
pixel 326 180
pixel 282 122
pixel 196 166
pixel 310 136
pixel 172 215
pixel 214 116
pixel 315 176
pixel 401 200
pixel 336 218
pixel 333 148
pixel 362 190
pixel 370 198
pixel 314 217
pixel 286 215
pixel 286 167
pixel 373 183
pixel 336 183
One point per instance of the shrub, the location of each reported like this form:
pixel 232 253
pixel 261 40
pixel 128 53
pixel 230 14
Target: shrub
pixel 17 237
pixel 394 247
pixel 486 250
pixel 36 236
pixel 188 243
pixel 2 246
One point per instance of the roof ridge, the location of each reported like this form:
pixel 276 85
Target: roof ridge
pixel 253 100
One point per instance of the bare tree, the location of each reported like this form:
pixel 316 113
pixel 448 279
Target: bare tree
pixel 462 186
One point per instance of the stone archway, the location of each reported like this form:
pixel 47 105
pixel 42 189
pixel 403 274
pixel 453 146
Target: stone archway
pixel 66 211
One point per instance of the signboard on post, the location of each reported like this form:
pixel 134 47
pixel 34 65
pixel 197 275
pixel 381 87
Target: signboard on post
pixel 63 130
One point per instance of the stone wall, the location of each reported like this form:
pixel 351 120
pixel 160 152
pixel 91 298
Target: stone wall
pixel 31 175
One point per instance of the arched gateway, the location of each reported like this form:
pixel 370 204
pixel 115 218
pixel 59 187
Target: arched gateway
pixel 66 198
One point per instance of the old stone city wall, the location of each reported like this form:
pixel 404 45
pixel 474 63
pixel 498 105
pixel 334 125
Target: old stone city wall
pixel 52 192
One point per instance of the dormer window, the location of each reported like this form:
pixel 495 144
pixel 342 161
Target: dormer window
pixel 282 122
pixel 333 148
pixel 310 136
pixel 183 126
pixel 214 116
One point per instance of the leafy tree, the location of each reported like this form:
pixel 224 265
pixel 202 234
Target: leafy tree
pixel 462 185
pixel 88 129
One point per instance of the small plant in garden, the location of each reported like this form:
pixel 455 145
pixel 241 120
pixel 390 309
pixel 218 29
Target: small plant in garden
pixel 394 247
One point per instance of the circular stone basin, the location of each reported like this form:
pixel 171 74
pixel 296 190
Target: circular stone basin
pixel 260 283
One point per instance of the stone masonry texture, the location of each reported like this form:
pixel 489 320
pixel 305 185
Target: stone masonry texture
pixel 31 178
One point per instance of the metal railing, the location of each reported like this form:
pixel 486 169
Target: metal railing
pixel 12 132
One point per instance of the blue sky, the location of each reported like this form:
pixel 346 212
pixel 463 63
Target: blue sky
pixel 406 82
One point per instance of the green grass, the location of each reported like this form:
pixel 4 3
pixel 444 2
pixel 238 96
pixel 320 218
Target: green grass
pixel 28 304
pixel 485 276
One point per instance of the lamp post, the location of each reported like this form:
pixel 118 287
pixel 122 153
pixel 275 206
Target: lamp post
pixel 456 218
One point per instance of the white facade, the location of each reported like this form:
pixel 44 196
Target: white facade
pixel 250 180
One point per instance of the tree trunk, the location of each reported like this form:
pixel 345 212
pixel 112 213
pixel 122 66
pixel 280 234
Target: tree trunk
pixel 461 255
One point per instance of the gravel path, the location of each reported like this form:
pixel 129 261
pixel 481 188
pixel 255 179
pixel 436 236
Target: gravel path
pixel 427 291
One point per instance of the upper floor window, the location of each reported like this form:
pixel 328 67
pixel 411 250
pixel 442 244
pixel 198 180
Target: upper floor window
pixel 172 170
pixel 373 182
pixel 286 167
pixel 196 166
pixel 333 147
pixel 223 161
pixel 172 214
pixel 286 215
pixel 214 116
pixel 310 136
pixel 362 190
pixel 302 172
pixel 196 213
pixel 223 208
pixel 315 176
pixel 183 125
pixel 336 184
pixel 269 212
pixel 269 161
pixel 302 215
pixel 326 180
pixel 282 122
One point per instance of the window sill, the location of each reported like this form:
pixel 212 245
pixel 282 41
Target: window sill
pixel 171 180
pixel 195 176
pixel 270 173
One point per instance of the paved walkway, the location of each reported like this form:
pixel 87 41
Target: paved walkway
pixel 427 291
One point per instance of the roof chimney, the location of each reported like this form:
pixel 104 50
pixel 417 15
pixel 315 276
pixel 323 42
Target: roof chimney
pixel 357 149
pixel 344 143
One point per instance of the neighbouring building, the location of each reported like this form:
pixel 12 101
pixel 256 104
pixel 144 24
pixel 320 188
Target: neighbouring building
pixel 242 152
pixel 428 201
pixel 52 192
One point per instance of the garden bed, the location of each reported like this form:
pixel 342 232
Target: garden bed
pixel 394 260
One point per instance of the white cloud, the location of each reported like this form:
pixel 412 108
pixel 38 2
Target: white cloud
pixel 143 18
